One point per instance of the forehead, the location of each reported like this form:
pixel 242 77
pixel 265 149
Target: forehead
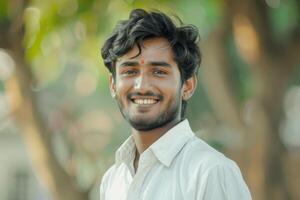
pixel 152 49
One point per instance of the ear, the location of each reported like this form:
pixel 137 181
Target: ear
pixel 112 86
pixel 189 87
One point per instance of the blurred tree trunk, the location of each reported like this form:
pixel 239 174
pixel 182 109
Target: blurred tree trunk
pixel 24 108
pixel 272 64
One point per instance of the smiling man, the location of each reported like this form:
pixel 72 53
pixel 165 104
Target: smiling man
pixel 153 65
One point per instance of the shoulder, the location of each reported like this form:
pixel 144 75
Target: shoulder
pixel 115 170
pixel 199 162
pixel 106 178
pixel 198 155
pixel 207 172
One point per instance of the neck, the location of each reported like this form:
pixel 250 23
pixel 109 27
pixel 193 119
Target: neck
pixel 144 139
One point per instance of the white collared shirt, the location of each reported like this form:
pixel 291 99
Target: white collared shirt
pixel 178 166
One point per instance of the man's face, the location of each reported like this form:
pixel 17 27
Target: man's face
pixel 148 87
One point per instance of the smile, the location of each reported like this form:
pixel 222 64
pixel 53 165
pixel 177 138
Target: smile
pixel 144 101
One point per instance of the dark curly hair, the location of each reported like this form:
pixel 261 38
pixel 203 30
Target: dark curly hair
pixel 143 25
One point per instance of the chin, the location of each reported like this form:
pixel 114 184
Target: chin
pixel 143 124
pixel 150 124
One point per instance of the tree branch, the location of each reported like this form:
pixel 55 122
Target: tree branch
pixel 22 100
pixel 256 14
pixel 216 80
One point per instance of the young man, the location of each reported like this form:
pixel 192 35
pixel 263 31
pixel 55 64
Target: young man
pixel 153 66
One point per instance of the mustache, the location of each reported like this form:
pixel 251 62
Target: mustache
pixel 147 94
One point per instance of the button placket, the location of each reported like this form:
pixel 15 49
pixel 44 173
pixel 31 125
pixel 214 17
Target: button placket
pixel 145 164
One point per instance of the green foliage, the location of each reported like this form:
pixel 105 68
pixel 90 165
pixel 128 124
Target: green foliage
pixel 284 18
pixel 3 11
pixel 204 14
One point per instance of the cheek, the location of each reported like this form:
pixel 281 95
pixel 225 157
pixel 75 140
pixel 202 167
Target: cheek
pixel 122 87
pixel 171 87
pixel 120 84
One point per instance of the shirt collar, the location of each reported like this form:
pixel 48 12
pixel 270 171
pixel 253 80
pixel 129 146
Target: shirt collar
pixel 169 145
pixel 126 152
pixel 165 148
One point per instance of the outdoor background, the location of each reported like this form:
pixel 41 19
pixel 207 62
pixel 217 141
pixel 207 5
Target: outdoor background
pixel 59 127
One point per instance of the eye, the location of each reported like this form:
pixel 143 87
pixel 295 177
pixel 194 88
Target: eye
pixel 129 72
pixel 159 72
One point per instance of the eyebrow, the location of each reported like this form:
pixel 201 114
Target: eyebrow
pixel 152 63
pixel 160 64
pixel 129 64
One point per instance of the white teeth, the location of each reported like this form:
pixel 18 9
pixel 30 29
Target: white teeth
pixel 144 101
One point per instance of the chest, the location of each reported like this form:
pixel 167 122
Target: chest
pixel 157 182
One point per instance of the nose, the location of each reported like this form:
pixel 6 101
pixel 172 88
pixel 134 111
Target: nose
pixel 142 83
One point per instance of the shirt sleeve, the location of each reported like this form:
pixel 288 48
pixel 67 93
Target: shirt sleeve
pixel 224 182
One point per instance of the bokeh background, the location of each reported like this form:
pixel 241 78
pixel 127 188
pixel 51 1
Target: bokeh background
pixel 59 127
